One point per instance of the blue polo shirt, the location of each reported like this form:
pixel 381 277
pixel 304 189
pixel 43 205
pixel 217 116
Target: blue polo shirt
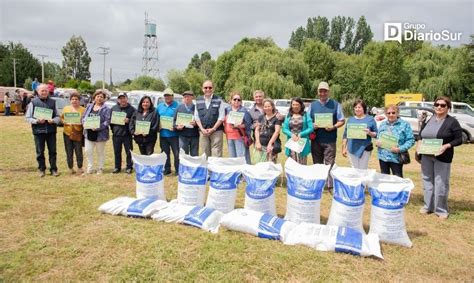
pixel 164 109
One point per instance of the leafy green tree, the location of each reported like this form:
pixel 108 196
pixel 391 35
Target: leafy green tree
pixel 195 80
pixel 318 57
pixel 27 84
pixel 86 87
pixel 195 62
pixel 27 66
pixel 76 59
pixel 147 83
pixel 177 81
pixel 362 36
pixel 97 84
pixel 297 37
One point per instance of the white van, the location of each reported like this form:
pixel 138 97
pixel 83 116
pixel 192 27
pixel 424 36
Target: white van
pixel 157 97
pixel 457 107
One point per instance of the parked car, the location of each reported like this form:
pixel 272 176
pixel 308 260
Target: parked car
pixel 61 102
pixel 157 97
pixel 282 105
pixel 247 104
pixel 414 116
pixel 111 102
pixel 458 108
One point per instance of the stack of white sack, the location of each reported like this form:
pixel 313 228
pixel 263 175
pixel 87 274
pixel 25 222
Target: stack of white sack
pixel 149 175
pixel 260 191
pixel 192 179
pixel 224 178
pixel 347 207
pixel 305 186
pixel 334 239
pixel 390 194
pixel 257 223
pixel 128 206
pixel 205 218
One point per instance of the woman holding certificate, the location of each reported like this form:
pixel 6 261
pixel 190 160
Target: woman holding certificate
pixel 438 136
pixel 72 134
pixel 267 134
pixel 237 127
pixel 358 134
pixel 297 126
pixel 144 126
pixel 395 137
pixel 96 120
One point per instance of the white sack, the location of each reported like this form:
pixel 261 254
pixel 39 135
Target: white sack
pixel 133 207
pixel 149 175
pixel 192 179
pixel 305 186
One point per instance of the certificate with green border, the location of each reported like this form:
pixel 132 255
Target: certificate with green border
pixel 92 122
pixel 388 140
pixel 235 117
pixel 43 113
pixel 118 118
pixel 323 120
pixel 142 127
pixel 356 131
pixel 430 146
pixel 184 119
pixel 72 118
pixel 166 122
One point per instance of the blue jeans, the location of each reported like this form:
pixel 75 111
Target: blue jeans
pixel 41 141
pixel 7 111
pixel 236 148
pixel 190 145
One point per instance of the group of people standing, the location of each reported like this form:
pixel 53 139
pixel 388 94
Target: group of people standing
pixel 253 134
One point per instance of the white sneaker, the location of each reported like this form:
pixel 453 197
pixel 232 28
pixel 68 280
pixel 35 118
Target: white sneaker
pixel 100 171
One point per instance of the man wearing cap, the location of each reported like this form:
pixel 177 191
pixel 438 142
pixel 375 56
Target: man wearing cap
pixel 121 135
pixel 168 136
pixel 209 116
pixel 44 130
pixel 323 148
pixel 188 134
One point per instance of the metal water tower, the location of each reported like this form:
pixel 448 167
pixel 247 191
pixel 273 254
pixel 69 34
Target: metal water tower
pixel 150 50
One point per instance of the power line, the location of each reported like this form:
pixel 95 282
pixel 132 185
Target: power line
pixel 105 51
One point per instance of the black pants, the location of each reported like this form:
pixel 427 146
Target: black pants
pixel 41 140
pixel 190 145
pixel 72 147
pixel 127 143
pixel 396 168
pixel 170 143
pixel 147 148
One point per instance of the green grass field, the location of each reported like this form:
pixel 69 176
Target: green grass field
pixel 50 230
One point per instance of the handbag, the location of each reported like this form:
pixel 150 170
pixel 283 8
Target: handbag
pixel 248 141
pixel 75 136
pixel 404 157
pixel 369 147
pixel 277 146
pixel 92 135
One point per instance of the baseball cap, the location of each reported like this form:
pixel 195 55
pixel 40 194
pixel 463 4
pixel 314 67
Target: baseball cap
pixel 123 94
pixel 323 85
pixel 168 91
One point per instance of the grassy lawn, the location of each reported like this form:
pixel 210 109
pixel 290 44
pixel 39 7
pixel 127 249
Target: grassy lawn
pixel 50 230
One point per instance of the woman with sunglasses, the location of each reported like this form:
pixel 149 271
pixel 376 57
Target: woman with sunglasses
pixel 267 133
pixel 237 129
pixel 400 133
pixel 146 138
pixel 436 169
pixel 298 125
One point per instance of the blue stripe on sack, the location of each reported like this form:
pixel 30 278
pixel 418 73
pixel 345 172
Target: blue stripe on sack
pixel 259 189
pixel 136 208
pixel 225 181
pixel 304 189
pixel 389 200
pixel 348 241
pixel 192 175
pixel 349 195
pixel 269 227
pixel 149 174
pixel 197 216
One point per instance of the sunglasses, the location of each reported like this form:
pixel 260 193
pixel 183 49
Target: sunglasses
pixel 207 87
pixel 440 105
pixel 391 113
pixel 237 99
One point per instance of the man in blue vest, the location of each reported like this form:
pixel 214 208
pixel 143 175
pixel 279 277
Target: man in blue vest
pixel 44 128
pixel 323 148
pixel 209 115
pixel 168 136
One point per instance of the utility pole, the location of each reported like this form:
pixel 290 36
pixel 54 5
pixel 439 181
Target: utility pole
pixel 14 72
pixel 105 51
pixel 42 66
pixel 110 84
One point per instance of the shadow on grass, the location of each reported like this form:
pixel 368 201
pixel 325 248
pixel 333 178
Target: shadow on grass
pixel 454 204
pixel 412 234
pixel 19 170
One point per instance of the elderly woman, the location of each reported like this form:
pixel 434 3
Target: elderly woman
pixel 72 134
pixel 267 133
pixel 298 125
pixel 359 148
pixel 436 169
pixel 145 137
pixel 394 138
pixel 96 135
pixel 239 130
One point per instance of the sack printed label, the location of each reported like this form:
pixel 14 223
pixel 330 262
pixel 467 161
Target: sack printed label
pixel 135 209
pixel 197 216
pixel 348 241
pixel 192 175
pixel 269 227
pixel 349 195
pixel 304 189
pixel 149 174
pixel 259 189
pixel 225 181
pixel 389 200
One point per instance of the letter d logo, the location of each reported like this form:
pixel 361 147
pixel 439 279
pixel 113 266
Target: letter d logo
pixel 392 32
